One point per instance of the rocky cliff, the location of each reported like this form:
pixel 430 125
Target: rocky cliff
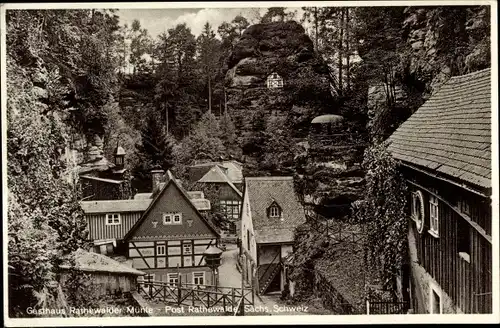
pixel 283 48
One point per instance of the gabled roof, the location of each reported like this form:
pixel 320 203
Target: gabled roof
pixel 233 169
pixel 99 164
pixel 171 182
pixel 264 191
pixel 93 262
pixel 101 179
pixel 217 175
pixel 450 134
pixel 115 206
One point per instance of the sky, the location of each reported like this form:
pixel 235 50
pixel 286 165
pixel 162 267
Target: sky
pixel 157 21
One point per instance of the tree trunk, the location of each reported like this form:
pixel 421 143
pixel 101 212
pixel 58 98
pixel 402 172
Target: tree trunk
pixel 209 95
pixel 225 102
pixel 348 54
pixel 316 27
pixel 340 50
pixel 166 110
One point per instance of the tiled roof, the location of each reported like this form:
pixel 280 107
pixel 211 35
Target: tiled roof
pixel 233 169
pixel 171 180
pixel 217 175
pixel 113 206
pixel 101 164
pixel 195 194
pixel 143 195
pixel 101 179
pixel 93 262
pixel 201 204
pixel 450 135
pixel 262 192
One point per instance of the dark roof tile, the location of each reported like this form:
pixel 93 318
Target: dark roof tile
pixel 451 132
pixel 262 192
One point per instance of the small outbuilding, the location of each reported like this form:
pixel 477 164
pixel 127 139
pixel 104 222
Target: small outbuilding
pixel 274 81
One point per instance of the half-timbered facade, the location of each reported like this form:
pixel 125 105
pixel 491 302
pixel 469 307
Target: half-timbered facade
pixel 270 213
pixel 445 151
pixel 169 239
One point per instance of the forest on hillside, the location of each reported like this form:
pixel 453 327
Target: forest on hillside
pixel 165 100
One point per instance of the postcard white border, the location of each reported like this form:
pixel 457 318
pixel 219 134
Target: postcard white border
pixel 291 319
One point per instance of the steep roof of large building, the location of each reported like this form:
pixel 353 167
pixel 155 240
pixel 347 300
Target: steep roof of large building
pixel 216 175
pixel 264 191
pixel 232 168
pixel 172 181
pixel 113 206
pixel 450 134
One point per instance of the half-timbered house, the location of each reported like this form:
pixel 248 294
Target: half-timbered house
pixel 169 239
pixel 109 221
pixel 270 213
pixel 444 151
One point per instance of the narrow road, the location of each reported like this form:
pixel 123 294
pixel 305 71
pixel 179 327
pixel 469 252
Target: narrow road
pixel 229 276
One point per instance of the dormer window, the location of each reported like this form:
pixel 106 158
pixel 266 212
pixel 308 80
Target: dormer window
pixel 274 211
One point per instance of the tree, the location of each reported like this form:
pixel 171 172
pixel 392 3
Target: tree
pixel 208 54
pixel 178 91
pixel 228 134
pixel 274 14
pixel 203 143
pixel 140 47
pixel 154 151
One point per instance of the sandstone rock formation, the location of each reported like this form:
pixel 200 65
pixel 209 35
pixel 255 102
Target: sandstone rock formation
pixel 281 47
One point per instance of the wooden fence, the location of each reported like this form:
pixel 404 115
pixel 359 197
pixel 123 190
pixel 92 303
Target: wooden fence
pixel 336 231
pixel 387 307
pixel 208 296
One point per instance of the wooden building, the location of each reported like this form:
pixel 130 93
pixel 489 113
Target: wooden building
pixel 444 151
pixel 222 183
pixel 169 239
pixel 101 179
pixel 271 211
pixel 274 81
pixel 110 220
pixel 106 276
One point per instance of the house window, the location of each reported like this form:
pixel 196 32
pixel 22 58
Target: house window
pixel 172 279
pixel 434 215
pixel 463 240
pixel 417 209
pixel 167 218
pixel 435 305
pixel 274 211
pixel 178 218
pixel 147 277
pixel 231 208
pixel 113 219
pixel 172 218
pixel 160 250
pixel 187 249
pixel 199 278
pixel 248 239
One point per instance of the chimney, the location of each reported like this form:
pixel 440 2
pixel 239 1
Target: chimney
pixel 156 177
